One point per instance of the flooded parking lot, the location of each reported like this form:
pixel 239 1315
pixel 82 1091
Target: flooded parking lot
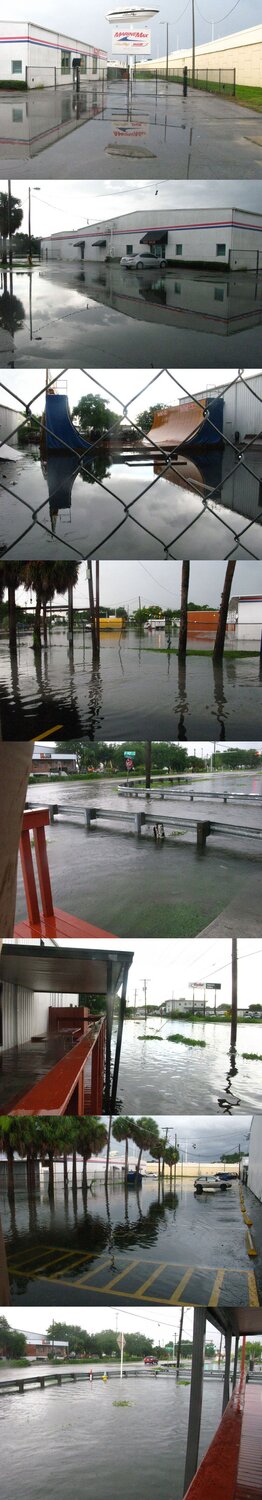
pixel 150 1245
pixel 139 688
pixel 110 128
pixel 122 505
pixel 111 316
pixel 74 1437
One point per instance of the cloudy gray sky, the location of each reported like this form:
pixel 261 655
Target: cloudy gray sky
pixel 187 960
pixel 89 24
pixel 156 1323
pixel 59 205
pixel 159 583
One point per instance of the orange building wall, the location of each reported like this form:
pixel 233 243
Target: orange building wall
pixel 202 620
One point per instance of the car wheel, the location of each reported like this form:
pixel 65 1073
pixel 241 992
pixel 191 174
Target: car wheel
pixel 162 263
pixel 139 265
pixel 199 1190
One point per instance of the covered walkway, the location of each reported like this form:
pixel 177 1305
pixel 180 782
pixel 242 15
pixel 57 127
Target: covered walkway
pixel 232 1466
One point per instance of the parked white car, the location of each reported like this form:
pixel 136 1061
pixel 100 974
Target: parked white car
pixel 142 262
pixel 211 1185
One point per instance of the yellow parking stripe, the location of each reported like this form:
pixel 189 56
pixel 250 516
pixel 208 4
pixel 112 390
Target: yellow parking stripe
pixel 150 1279
pixel 115 1279
pixel 81 1259
pixel 216 1289
pixel 252 1288
pixel 181 1284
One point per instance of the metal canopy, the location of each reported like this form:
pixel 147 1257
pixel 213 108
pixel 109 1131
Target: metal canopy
pixel 99 243
pixel 155 237
pixel 236 1320
pixel 64 968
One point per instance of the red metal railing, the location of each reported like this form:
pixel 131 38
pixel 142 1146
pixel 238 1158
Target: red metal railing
pixel 62 1090
pixel 217 1474
pixel 51 921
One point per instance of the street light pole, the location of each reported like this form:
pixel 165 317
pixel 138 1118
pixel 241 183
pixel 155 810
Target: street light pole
pixel 167 53
pixel 29 227
pixel 193 42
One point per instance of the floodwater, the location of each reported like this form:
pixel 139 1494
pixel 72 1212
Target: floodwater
pixel 107 315
pixel 74 1440
pixel 138 689
pixel 78 1246
pixel 163 1075
pixel 63 504
pixel 111 130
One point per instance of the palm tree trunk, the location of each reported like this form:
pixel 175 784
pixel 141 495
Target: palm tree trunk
pixel 95 647
pixel 223 612
pixel 126 1158
pixel 45 622
pixel 65 1172
pixel 4 254
pixel 10 1174
pixel 84 1176
pixel 74 1174
pixel 12 619
pixel 138 1162
pixel 51 1175
pixel 148 758
pixel 37 622
pixel 182 639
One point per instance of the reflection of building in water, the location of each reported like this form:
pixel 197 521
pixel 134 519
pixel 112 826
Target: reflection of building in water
pixel 230 238
pixel 214 304
pixel 31 123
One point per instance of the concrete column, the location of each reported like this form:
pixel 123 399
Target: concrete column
pixel 226 1387
pixel 235 1370
pixel 196 1391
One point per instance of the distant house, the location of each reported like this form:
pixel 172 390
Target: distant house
pixel 40 1346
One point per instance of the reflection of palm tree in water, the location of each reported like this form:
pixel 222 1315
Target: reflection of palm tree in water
pixel 219 696
pixel 12 311
pixel 94 702
pixel 111 1237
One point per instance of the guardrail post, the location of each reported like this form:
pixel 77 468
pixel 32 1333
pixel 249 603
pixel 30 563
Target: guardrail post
pixel 203 830
pixel 139 819
pixel 88 813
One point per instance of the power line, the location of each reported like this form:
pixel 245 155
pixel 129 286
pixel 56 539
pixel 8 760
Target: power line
pixel 218 19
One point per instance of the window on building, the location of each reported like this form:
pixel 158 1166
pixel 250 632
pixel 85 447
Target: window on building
pixel 220 249
pixel 179 249
pixel 178 288
pixel 17 116
pixel 129 249
pixel 83 65
pixel 219 293
pixel 65 61
pixel 94 64
pixel 16 67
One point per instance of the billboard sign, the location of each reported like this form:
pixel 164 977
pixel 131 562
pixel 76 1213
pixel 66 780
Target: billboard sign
pixel 131 40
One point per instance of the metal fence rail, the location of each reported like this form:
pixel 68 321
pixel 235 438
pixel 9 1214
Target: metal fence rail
pixel 212 80
pixel 242 540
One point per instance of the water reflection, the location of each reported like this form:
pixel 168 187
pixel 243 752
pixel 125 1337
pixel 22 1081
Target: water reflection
pixel 46 116
pixel 156 296
pixel 156 689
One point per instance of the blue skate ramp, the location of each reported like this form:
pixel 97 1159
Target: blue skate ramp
pixel 60 431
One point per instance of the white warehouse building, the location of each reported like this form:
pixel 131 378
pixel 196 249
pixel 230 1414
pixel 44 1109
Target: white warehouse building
pixel 228 237
pixel 36 57
pixel 242 408
pixel 245 617
pixel 10 419
pixel 255 1157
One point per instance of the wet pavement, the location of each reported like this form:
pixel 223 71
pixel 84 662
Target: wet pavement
pixel 139 689
pixel 110 316
pixel 75 1440
pixel 114 131
pixel 136 888
pixel 122 506
pixel 153 1246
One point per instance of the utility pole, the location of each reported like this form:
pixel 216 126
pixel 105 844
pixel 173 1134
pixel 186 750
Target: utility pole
pixel 10 225
pixel 193 42
pixel 167 51
pixel 234 995
pixel 98 605
pixel 179 1341
pixel 29 228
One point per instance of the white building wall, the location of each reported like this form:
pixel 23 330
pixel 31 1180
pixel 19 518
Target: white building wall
pixel 32 54
pixel 241 50
pixel 199 236
pixel 249 625
pixel 255 1157
pixel 242 406
pixel 9 419
pixel 25 1013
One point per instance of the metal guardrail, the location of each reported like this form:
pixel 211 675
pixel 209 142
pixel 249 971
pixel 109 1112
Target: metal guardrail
pixel 138 820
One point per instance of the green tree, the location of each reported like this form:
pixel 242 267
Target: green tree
pixel 122 1130
pixel 146 418
pixel 16 216
pixel 94 412
pixel 144 1134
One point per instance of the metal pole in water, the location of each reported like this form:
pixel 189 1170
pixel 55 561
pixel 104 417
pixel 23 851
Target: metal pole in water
pixel 233 1036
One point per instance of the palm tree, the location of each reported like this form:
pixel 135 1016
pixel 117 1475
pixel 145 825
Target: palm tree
pixel 171 1158
pixel 144 1134
pixel 223 613
pixel 47 579
pixel 14 574
pixel 91 1138
pixel 11 216
pixel 122 1130
pixel 182 639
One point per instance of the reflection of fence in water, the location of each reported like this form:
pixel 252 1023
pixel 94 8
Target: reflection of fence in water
pixel 236 471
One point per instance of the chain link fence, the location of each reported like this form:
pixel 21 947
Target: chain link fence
pixel 227 472
pixel 212 80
